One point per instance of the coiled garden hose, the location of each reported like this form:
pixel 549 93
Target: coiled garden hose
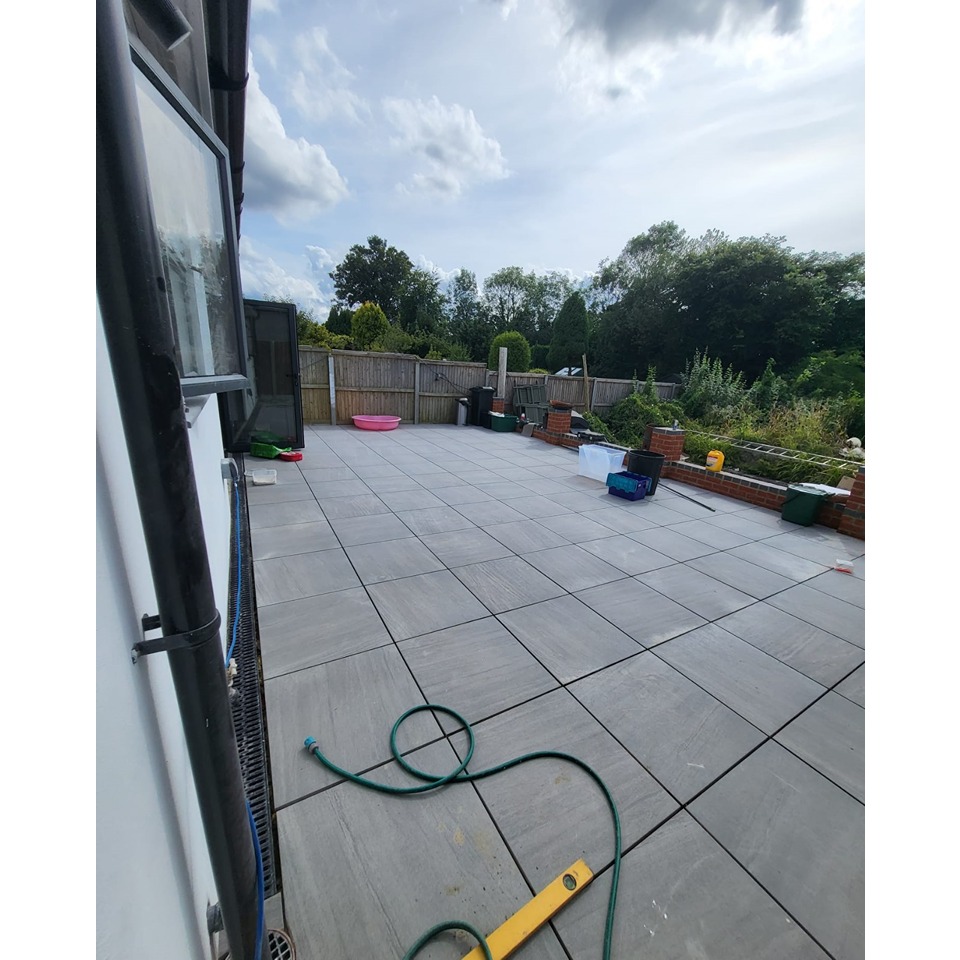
pixel 459 775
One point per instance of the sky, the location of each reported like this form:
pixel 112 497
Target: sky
pixel 543 134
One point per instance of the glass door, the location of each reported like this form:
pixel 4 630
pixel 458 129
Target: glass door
pixel 269 411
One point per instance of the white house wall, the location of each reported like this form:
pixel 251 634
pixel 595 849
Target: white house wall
pixel 154 879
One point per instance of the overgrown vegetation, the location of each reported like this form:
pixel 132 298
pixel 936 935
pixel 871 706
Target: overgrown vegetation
pixel 715 400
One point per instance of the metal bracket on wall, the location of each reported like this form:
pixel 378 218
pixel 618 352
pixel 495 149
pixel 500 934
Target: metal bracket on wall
pixel 172 641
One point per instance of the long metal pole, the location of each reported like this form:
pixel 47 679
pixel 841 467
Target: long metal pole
pixel 139 336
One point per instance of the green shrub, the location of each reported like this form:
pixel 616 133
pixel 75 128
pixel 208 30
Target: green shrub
pixel 629 417
pixel 369 325
pixel 537 370
pixel 709 390
pixel 518 351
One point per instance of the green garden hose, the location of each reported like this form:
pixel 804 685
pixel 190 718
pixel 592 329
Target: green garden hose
pixel 459 775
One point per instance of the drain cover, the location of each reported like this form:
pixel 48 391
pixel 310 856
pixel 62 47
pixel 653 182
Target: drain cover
pixel 281 946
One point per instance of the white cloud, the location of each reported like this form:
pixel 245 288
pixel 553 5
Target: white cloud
pixel 265 6
pixel 321 88
pixel 291 179
pixel 449 141
pixel 320 261
pixel 263 277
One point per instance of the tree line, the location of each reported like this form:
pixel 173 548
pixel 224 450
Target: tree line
pixel 665 297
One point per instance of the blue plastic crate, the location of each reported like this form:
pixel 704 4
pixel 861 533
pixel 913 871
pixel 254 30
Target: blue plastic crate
pixel 627 485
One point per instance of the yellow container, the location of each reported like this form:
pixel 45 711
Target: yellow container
pixel 715 460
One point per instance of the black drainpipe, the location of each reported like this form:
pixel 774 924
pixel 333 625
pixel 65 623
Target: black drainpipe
pixel 136 322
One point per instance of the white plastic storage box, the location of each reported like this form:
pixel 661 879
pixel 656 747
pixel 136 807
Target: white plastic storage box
pixel 596 461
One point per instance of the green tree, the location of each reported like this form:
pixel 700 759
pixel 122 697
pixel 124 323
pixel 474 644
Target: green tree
pixel 369 325
pixel 507 297
pixel 421 303
pixel 569 341
pixel 518 351
pixel 468 321
pixel 340 319
pixel 375 273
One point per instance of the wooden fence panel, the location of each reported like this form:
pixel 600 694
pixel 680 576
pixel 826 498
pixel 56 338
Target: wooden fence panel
pixel 442 383
pixel 386 384
pixel 315 384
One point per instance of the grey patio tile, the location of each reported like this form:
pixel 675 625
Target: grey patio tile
pixel 640 612
pixel 854 686
pixel 843 586
pixel 741 574
pixel 710 534
pixel 544 486
pixel 705 596
pixel 369 529
pixel 550 811
pixel 401 865
pixel 424 603
pixel 392 560
pixel 682 896
pixel 278 493
pixel 579 502
pixel 835 616
pixel 283 514
pixel 800 836
pixel 516 473
pixel 330 489
pixel 462 493
pixel 303 633
pixel 778 561
pixel 348 706
pixel 536 508
pixel 435 520
pixel 460 547
pixel 477 668
pixel 681 734
pixel 573 568
pixel 525 536
pixel 366 505
pixel 586 484
pixel 488 513
pixel 671 544
pixel 627 554
pixel 822 545
pixel 656 513
pixel 568 638
pixel 830 737
pixel 440 480
pixel 814 652
pixel 270 542
pixel 326 474
pixel 367 471
pixel 576 527
pixel 504 490
pixel 619 521
pixel 759 687
pixel 695 511
pixel 744 526
pixel 398 500
pixel 391 484
pixel 303 575
pixel 507 583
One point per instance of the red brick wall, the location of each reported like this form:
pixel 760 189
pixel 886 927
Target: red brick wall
pixel 667 441
pixel 498 405
pixel 854 520
pixel 558 421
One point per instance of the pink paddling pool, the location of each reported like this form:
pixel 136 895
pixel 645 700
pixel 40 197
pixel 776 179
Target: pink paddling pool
pixel 376 423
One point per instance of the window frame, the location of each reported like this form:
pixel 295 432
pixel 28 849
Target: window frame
pixel 158 78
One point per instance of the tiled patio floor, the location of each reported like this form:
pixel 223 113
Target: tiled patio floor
pixel 709 665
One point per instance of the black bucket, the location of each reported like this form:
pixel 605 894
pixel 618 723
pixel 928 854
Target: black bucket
pixel 647 464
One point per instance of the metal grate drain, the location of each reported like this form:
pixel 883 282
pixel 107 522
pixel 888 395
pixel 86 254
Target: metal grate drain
pixel 246 700
pixel 281 946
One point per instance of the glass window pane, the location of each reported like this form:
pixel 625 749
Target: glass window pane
pixel 185 187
